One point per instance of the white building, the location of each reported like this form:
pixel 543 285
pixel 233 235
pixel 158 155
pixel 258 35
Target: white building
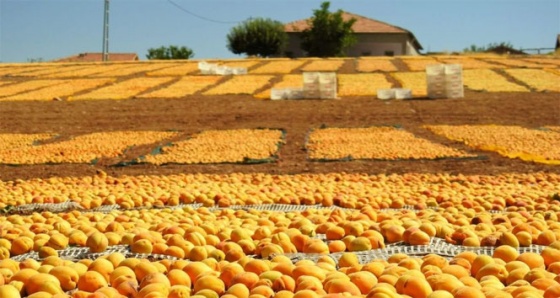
pixel 374 38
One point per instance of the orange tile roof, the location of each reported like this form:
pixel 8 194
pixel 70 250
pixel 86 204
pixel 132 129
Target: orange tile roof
pixel 98 57
pixel 362 25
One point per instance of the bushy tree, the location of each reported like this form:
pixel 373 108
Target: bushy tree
pixel 328 35
pixel 257 37
pixel 35 60
pixel 479 49
pixel 170 53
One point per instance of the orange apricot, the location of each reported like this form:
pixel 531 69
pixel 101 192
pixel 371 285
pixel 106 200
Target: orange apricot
pixel 550 255
pixel 468 292
pixel 67 276
pixel 552 291
pixel 506 253
pixel 209 282
pixel 284 282
pixel 262 291
pixel 534 260
pixel 43 282
pixel 338 285
pixel 249 279
pixel 91 281
pixel 335 233
pixel 178 277
pixel 364 280
pixel 413 286
pixel 238 290
pixel 348 260
pixel 97 242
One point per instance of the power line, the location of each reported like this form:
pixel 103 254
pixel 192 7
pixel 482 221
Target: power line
pixel 199 16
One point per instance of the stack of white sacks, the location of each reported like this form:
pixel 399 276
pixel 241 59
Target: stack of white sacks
pixel 327 85
pixel 286 93
pixel 319 85
pixel 216 69
pixel 316 85
pixel 445 81
pixel 394 93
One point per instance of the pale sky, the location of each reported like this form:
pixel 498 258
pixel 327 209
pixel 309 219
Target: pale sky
pixel 51 29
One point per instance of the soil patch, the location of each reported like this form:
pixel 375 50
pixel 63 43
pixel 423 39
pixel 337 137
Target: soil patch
pixel 197 113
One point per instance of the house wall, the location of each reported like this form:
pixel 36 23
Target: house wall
pixel 410 49
pixel 373 44
pixel 368 44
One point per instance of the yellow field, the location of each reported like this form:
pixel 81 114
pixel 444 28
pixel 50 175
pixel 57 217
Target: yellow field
pixel 521 63
pixel 125 89
pixel 14 89
pixel 415 81
pixel 324 230
pixel 539 79
pixel 385 143
pixel 90 69
pixel 419 64
pixel 187 85
pixel 323 65
pixel 81 149
pixel 511 141
pixel 372 64
pixel 278 67
pixel 17 141
pixel 175 70
pixel 312 251
pixel 490 81
pixel 470 63
pixel 231 146
pixel 541 73
pixel 287 81
pixel 361 84
pixel 63 90
pixel 245 84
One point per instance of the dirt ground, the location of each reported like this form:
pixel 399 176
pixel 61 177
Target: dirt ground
pixel 297 117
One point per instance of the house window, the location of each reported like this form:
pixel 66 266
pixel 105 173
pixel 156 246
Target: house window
pixel 389 53
pixel 366 53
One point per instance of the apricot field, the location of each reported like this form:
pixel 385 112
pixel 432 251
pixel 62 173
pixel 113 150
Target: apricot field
pixel 149 179
pixel 303 234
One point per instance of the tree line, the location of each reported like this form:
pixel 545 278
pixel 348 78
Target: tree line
pixel 328 35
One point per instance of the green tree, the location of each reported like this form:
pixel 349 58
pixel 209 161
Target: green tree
pixel 474 49
pixel 479 49
pixel 35 60
pixel 328 35
pixel 257 37
pixel 170 53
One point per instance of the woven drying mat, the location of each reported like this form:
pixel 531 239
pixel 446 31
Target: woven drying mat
pixel 51 207
pixel 28 209
pixel 274 207
pixel 437 246
pixel 30 255
pixel 71 253
pixel 180 206
pixel 151 257
pixel 124 249
pixel 75 253
pixel 104 209
pixel 110 208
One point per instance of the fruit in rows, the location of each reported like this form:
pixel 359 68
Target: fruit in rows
pixel 97 242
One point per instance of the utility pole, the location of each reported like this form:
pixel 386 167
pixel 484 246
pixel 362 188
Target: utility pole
pixel 106 32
